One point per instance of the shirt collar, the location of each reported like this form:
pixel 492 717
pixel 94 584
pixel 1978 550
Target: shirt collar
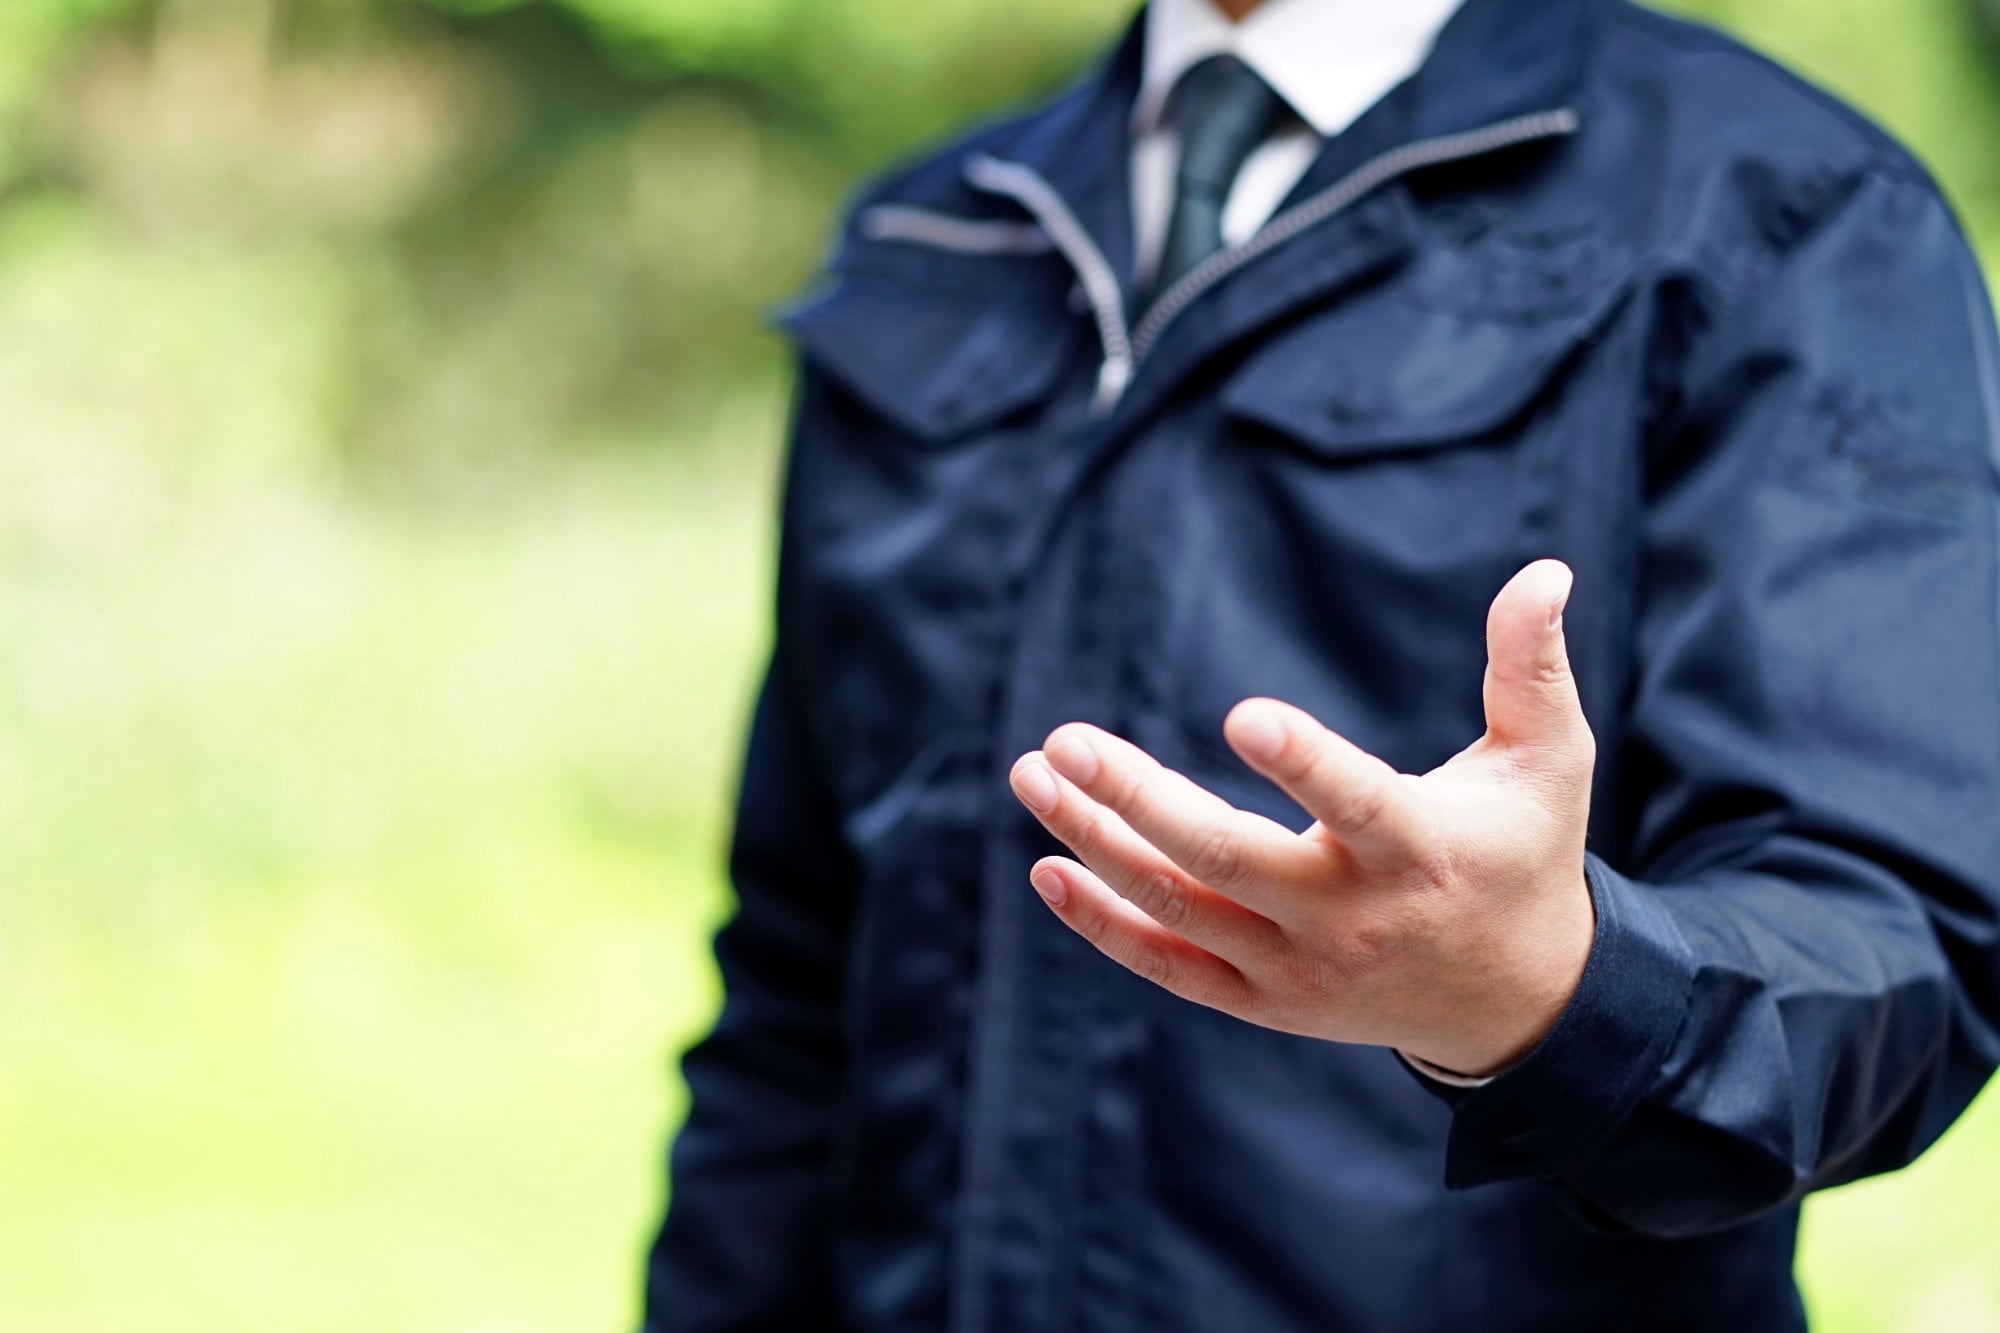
pixel 1330 60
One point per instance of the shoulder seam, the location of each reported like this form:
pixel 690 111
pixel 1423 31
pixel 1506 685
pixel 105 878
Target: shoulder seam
pixel 1694 35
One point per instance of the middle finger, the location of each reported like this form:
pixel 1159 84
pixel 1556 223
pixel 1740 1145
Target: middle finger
pixel 1136 871
pixel 1256 861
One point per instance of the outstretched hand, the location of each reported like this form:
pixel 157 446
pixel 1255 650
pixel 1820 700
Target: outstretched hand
pixel 1445 915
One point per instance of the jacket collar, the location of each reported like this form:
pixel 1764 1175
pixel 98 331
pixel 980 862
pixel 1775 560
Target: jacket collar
pixel 1080 146
pixel 1495 59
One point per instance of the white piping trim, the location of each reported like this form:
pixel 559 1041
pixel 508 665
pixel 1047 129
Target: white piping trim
pixel 1124 347
pixel 948 231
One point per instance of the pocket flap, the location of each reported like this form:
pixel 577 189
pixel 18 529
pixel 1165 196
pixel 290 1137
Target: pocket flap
pixel 1401 371
pixel 936 354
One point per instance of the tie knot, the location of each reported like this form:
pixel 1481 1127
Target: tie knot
pixel 1222 110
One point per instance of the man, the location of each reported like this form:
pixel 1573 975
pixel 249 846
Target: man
pixel 1504 962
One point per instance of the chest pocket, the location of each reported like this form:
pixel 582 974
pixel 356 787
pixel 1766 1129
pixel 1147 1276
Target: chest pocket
pixel 1453 354
pixel 1378 471
pixel 929 374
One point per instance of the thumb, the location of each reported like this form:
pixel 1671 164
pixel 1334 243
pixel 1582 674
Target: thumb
pixel 1530 694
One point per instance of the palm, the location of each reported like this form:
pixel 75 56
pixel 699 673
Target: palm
pixel 1442 913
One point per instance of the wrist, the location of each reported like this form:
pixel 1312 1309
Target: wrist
pixel 1502 1026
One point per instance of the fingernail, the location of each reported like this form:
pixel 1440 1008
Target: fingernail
pixel 1072 756
pixel 1036 786
pixel 1049 884
pixel 1258 734
pixel 1562 600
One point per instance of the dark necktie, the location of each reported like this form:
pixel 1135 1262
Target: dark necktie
pixel 1223 111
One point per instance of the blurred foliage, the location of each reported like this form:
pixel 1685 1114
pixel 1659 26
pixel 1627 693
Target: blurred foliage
pixel 500 229
pixel 492 229
pixel 386 434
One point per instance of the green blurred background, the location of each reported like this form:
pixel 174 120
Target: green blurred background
pixel 386 450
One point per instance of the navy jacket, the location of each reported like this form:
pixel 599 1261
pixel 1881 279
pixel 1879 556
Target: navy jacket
pixel 1592 284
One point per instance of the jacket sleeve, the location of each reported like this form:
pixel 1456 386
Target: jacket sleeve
pixel 1796 976
pixel 743 1244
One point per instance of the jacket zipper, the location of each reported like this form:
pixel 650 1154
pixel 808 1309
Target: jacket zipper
pixel 1026 186
pixel 1124 346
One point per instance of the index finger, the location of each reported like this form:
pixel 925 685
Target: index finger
pixel 1360 799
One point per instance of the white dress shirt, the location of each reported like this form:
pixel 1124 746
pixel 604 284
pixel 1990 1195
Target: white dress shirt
pixel 1330 60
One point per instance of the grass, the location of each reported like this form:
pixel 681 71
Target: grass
pixel 359 868
pixel 359 871
pixel 358 861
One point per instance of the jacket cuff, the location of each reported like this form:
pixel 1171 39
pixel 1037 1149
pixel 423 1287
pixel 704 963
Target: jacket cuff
pixel 1566 1095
